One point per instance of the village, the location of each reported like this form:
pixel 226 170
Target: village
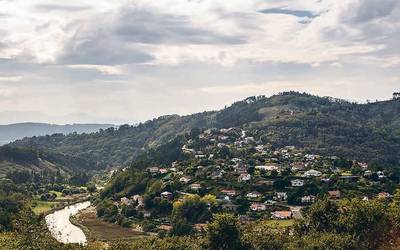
pixel 239 172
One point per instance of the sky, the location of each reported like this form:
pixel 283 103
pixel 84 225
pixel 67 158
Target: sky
pixel 125 61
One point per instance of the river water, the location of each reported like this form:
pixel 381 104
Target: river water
pixel 62 229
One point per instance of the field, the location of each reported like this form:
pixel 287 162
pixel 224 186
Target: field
pixel 280 223
pixel 44 206
pixel 100 230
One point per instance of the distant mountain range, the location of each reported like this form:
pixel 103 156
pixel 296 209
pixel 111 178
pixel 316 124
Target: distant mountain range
pixel 366 132
pixel 12 132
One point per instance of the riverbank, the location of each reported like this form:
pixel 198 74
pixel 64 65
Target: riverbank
pixel 47 207
pixel 97 229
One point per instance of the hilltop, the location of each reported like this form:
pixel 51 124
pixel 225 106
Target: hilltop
pixel 12 132
pixel 368 132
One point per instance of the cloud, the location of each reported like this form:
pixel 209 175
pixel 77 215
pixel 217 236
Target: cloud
pixel 108 70
pixel 59 7
pixel 10 78
pixel 136 59
pixel 141 26
pixel 298 13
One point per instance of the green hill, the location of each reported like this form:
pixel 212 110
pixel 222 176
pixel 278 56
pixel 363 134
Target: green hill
pixel 369 132
pixel 20 159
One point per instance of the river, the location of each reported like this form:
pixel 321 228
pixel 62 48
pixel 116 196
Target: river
pixel 62 229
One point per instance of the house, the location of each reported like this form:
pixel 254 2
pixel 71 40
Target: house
pixel 363 165
pixel 312 173
pixel 138 199
pixel 281 215
pixel 217 174
pixel 384 195
pixel 126 201
pixel 153 170
pixel 257 207
pixel 298 166
pixel 280 196
pixel 146 214
pixel 187 150
pixel 244 177
pixel 163 170
pixel 267 168
pixel 229 192
pixel 200 227
pixel 166 195
pixel 184 179
pixel 229 206
pixel 259 148
pixel 297 183
pixel 308 199
pixel 200 156
pixel 166 228
pixel 334 194
pixel 254 195
pixel 195 186
pixel 380 174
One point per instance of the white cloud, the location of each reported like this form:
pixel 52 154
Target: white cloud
pixel 135 59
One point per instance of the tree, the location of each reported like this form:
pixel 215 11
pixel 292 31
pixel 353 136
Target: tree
pixel 181 227
pixel 321 217
pixel 223 233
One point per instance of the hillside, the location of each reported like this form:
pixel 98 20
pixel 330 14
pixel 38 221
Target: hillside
pixel 12 132
pixel 19 159
pixel 368 132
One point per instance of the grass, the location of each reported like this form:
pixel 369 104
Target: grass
pixel 9 241
pixel 280 223
pixel 58 194
pixel 41 207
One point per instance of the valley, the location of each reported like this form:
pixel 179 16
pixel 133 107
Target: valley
pixel 278 171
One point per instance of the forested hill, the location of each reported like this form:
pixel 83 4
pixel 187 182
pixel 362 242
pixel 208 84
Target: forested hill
pixel 369 132
pixel 16 131
pixel 20 159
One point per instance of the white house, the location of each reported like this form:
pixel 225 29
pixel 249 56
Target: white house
pixel 312 173
pixel 244 177
pixel 254 194
pixel 257 206
pixel 280 196
pixel 308 199
pixel 297 183
pixel 267 168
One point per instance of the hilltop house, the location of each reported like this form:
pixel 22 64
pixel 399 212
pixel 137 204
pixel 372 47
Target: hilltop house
pixel 308 199
pixel 254 195
pixel 184 179
pixel 257 206
pixel 312 173
pixel 244 177
pixel 334 194
pixel 281 215
pixel 267 168
pixel 195 186
pixel 297 183
pixel 280 196
pixel 166 195
pixel 126 201
pixel 229 192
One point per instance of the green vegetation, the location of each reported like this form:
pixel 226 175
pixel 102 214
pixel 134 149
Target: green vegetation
pixel 368 132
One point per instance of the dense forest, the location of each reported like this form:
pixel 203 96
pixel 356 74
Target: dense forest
pixel 369 132
pixel 23 159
